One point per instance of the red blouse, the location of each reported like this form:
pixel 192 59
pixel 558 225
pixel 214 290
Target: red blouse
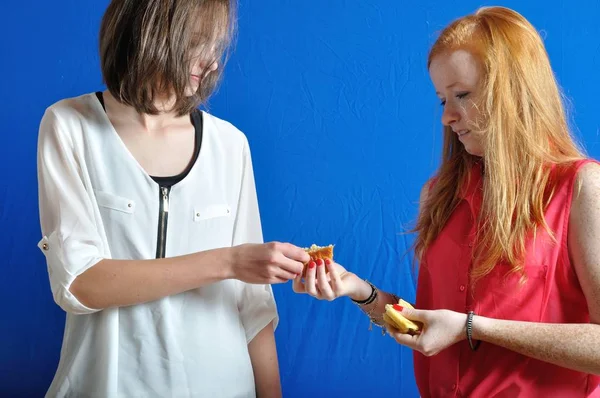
pixel 552 294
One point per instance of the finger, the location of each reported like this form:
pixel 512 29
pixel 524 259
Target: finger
pixel 406 340
pixel 334 276
pixel 298 286
pixel 319 293
pixel 401 338
pixel 288 265
pixel 419 317
pixel 310 279
pixel 412 314
pixel 390 329
pixel 277 280
pixel 322 282
pixel 294 252
pixel 285 275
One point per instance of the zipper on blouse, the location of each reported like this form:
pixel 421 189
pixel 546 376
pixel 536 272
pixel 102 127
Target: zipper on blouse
pixel 163 218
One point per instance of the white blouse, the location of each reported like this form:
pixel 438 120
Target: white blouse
pixel 96 202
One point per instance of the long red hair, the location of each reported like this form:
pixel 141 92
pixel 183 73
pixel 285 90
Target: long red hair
pixel 523 127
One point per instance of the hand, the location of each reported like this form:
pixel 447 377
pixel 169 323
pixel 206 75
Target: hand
pixel 326 286
pixel 267 263
pixel 441 329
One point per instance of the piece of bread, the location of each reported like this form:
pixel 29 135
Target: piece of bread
pixel 400 322
pixel 318 252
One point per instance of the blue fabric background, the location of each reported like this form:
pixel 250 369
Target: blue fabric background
pixel 344 128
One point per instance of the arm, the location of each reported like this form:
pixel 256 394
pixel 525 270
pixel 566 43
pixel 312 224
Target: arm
pixel 574 346
pixel 116 283
pixel 376 308
pixel 263 355
pixel 568 345
pixel 363 289
pixel 257 307
pixel 343 283
pixel 82 276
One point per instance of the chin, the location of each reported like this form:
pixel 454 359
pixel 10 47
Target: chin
pixel 191 90
pixel 474 150
pixel 478 154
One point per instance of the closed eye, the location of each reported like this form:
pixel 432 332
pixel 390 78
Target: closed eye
pixel 459 96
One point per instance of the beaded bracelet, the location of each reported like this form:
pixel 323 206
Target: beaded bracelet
pixel 373 298
pixel 475 346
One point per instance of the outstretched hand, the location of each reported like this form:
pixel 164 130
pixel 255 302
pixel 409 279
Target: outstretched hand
pixel 325 285
pixel 441 329
pixel 272 262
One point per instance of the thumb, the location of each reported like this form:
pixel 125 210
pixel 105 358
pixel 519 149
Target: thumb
pixel 411 313
pixel 295 253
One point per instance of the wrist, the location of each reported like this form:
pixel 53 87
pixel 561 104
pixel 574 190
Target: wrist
pixel 471 331
pixel 361 291
pixel 480 326
pixel 463 332
pixel 229 258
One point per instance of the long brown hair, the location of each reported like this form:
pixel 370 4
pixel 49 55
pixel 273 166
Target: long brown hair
pixel 147 48
pixel 524 130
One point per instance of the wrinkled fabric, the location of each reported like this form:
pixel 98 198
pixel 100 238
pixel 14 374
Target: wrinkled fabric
pixel 96 202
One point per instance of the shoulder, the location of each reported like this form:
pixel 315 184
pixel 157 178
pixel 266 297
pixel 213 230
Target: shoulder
pixel 583 233
pixel 67 116
pixel 589 172
pixel 586 189
pixel 585 203
pixel 223 130
pixel 72 108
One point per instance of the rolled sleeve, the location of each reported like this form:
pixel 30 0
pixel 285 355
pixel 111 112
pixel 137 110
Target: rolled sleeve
pixel 257 309
pixel 62 274
pixel 71 240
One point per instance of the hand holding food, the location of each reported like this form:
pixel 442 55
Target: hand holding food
pixel 393 317
pixel 318 253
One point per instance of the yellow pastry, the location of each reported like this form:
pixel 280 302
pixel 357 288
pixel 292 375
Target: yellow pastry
pixel 397 320
pixel 318 252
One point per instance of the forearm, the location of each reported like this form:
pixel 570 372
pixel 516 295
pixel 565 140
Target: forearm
pixel 574 346
pixel 376 309
pixel 263 355
pixel 117 283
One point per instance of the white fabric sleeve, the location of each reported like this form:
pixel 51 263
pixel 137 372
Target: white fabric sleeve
pixel 71 242
pixel 257 302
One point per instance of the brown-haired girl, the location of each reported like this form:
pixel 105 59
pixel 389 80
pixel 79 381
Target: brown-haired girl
pixel 150 220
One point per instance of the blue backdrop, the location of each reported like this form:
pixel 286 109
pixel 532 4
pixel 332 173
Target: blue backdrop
pixel 344 126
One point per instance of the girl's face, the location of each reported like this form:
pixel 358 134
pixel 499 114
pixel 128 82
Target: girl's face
pixel 456 78
pixel 202 58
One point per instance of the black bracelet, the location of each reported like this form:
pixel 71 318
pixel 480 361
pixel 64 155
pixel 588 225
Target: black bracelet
pixel 373 296
pixel 475 346
pixel 369 299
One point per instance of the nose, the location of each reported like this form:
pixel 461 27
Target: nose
pixel 450 115
pixel 213 67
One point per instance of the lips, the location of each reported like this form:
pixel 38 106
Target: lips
pixel 461 133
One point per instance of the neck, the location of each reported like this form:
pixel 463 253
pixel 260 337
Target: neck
pixel 128 114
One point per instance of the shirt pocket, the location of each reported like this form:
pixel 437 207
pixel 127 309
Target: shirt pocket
pixel 118 219
pixel 503 295
pixel 213 226
pixel 114 202
pixel 203 213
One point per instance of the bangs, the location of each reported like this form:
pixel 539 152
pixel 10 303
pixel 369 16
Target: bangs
pixel 147 50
